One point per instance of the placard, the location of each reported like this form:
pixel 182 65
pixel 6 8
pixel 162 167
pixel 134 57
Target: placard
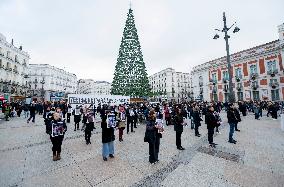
pixel 111 123
pixel 57 129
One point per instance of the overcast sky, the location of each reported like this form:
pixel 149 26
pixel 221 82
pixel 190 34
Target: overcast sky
pixel 84 35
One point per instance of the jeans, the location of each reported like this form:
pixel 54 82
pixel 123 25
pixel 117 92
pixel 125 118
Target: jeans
pixel 56 143
pixel 26 114
pixel 192 124
pixel 131 122
pixel 68 117
pixel 108 148
pixel 232 128
pixel 88 135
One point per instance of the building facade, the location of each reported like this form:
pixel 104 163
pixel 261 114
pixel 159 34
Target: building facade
pixel 89 86
pixel 49 82
pixel 170 85
pixel 257 74
pixel 13 69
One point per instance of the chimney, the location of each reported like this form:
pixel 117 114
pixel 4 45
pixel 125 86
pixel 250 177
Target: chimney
pixel 21 47
pixel 12 41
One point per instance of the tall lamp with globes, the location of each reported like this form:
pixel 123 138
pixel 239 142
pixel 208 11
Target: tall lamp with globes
pixel 225 30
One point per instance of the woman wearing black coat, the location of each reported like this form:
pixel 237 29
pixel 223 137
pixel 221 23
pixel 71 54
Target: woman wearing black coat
pixel 151 137
pixel 108 137
pixel 178 128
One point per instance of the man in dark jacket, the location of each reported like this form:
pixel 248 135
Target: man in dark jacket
pixel 211 122
pixel 232 120
pixel 178 128
pixel 32 112
pixel 196 119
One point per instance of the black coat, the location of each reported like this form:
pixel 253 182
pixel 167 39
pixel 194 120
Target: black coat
pixel 232 116
pixel 151 132
pixel 211 120
pixel 196 118
pixel 178 123
pixel 107 133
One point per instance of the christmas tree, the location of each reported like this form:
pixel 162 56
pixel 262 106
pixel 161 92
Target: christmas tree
pixel 130 76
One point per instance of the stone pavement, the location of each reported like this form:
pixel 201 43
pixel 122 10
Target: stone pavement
pixel 256 160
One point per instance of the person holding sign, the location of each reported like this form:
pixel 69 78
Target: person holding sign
pixel 108 124
pixel 121 122
pixel 58 129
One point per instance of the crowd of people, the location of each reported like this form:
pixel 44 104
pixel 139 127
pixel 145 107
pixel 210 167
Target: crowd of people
pixel 128 116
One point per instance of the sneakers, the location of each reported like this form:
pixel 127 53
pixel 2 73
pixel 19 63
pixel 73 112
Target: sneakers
pixel 105 158
pixel 237 130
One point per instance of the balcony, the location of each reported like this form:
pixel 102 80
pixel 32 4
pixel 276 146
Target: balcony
pixel 225 89
pixel 254 86
pixel 239 88
pixel 253 76
pixel 225 80
pixel 213 81
pixel 274 85
pixel 2 54
pixel 272 73
pixel 238 78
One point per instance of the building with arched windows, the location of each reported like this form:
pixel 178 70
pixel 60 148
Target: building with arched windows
pixel 258 74
pixel 13 70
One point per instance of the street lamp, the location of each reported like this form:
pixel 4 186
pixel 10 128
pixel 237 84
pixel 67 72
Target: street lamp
pixel 225 30
pixel 42 89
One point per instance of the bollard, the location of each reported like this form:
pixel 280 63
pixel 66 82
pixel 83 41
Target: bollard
pixel 282 122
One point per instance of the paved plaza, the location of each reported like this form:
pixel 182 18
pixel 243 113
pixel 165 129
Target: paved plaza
pixel 256 160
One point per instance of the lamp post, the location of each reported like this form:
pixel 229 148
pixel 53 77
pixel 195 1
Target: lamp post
pixel 225 30
pixel 42 89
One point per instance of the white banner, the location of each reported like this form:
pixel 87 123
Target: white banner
pixel 86 99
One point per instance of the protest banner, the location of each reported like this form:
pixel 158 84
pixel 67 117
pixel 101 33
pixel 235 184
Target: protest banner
pixel 95 100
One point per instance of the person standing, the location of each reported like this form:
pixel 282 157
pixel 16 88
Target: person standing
pixel 26 111
pixel 196 119
pixel 178 128
pixel 121 122
pixel 130 119
pixel 32 112
pixel 107 137
pixel 151 136
pixel 211 121
pixel 57 128
pixel 77 117
pixel 69 112
pixel 232 120
pixel 89 126
pixel 238 116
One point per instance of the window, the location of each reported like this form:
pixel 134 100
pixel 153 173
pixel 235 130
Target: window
pixel 225 75
pixel 275 95
pixel 271 66
pixel 253 69
pixel 214 77
pixel 238 72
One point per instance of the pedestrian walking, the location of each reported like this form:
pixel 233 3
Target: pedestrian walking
pixel 121 122
pixel 32 110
